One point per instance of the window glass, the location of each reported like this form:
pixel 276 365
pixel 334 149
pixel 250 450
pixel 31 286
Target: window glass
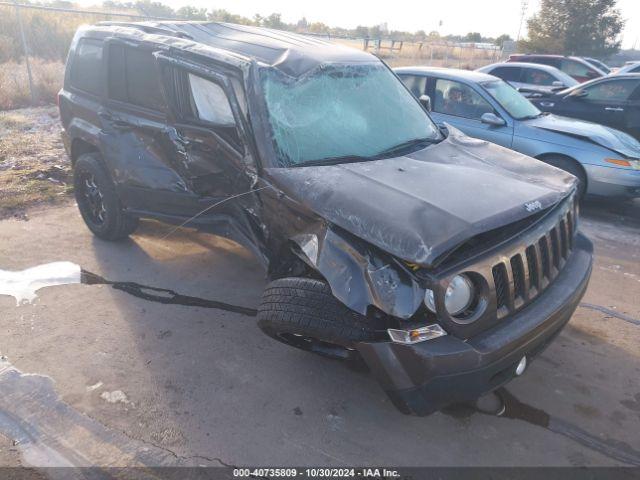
pixel 614 91
pixel 416 84
pixel 535 76
pixel 86 73
pixel 117 74
pixel 510 99
pixel 508 74
pixel 143 80
pixel 455 98
pixel 342 111
pixel 575 69
pixel 210 101
pixel 635 70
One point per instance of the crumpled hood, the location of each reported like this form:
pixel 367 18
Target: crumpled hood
pixel 607 137
pixel 419 206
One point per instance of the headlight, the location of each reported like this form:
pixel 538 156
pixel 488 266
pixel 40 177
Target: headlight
pixel 457 298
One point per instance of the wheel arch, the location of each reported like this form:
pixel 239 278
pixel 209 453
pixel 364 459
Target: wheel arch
pixel 79 147
pixel 561 156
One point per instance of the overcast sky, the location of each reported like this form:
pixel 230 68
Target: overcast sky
pixel 489 17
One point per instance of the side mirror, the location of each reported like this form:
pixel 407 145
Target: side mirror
pixel 492 119
pixel 426 101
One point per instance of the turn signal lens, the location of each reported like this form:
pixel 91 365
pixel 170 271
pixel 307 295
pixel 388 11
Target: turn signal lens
pixel 635 164
pixel 416 335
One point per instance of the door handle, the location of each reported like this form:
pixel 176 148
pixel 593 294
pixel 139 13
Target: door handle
pixel 614 109
pixel 547 104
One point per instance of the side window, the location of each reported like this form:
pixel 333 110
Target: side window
pixel 508 74
pixel 537 77
pixel 635 70
pixel 455 98
pixel 210 102
pixel 416 84
pixel 86 71
pixel 133 77
pixel 575 69
pixel 615 91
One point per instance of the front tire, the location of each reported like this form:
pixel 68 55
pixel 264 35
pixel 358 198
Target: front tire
pixel 98 201
pixel 303 313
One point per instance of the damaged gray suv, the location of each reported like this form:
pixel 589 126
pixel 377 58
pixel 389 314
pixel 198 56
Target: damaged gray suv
pixel 442 262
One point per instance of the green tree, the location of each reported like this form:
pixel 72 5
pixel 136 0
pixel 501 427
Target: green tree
pixel 192 13
pixel 575 27
pixel 472 37
pixel 503 38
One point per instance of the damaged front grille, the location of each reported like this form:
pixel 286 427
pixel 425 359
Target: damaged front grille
pixel 528 272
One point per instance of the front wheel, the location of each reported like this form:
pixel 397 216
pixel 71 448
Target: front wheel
pixel 98 201
pixel 303 313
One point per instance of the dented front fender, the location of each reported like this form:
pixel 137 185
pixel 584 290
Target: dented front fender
pixel 359 275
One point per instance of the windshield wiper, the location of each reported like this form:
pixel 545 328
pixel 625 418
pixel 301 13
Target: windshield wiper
pixel 334 160
pixel 390 152
pixel 406 147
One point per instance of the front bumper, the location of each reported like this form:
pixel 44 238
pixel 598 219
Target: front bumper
pixel 612 182
pixel 425 377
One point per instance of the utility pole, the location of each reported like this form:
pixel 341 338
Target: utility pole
pixel 25 48
pixel 524 4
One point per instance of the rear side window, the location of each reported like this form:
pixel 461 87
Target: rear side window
pixel 416 84
pixel 86 71
pixel 535 76
pixel 508 74
pixel 635 70
pixel 133 78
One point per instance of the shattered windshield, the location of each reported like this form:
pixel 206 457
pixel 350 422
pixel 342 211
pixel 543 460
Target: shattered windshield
pixel 511 100
pixel 343 113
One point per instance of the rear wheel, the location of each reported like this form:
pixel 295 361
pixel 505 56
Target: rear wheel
pixel 303 313
pixel 571 166
pixel 98 201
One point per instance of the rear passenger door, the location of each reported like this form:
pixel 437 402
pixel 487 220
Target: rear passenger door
pixel 460 105
pixel 135 136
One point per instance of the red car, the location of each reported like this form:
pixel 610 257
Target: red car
pixel 575 67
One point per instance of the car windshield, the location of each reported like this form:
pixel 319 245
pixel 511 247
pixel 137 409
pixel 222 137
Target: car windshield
pixel 511 100
pixel 342 113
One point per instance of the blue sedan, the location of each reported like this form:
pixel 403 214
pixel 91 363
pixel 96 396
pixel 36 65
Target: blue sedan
pixel 606 161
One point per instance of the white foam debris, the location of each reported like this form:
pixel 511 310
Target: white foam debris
pixel 93 387
pixel 23 285
pixel 117 396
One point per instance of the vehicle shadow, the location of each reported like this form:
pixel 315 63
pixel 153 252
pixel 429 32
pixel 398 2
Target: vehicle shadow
pixel 210 384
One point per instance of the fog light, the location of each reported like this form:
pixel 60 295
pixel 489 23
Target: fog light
pixel 416 335
pixel 522 364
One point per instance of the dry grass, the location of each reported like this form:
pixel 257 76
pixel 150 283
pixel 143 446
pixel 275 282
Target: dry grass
pixel 14 83
pixel 33 164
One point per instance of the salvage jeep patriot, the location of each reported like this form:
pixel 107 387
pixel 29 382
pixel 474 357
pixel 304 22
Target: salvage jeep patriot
pixel 442 262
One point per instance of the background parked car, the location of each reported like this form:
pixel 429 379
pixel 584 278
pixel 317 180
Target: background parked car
pixel 613 100
pixel 629 67
pixel 598 64
pixel 575 67
pixel 530 76
pixel 606 161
